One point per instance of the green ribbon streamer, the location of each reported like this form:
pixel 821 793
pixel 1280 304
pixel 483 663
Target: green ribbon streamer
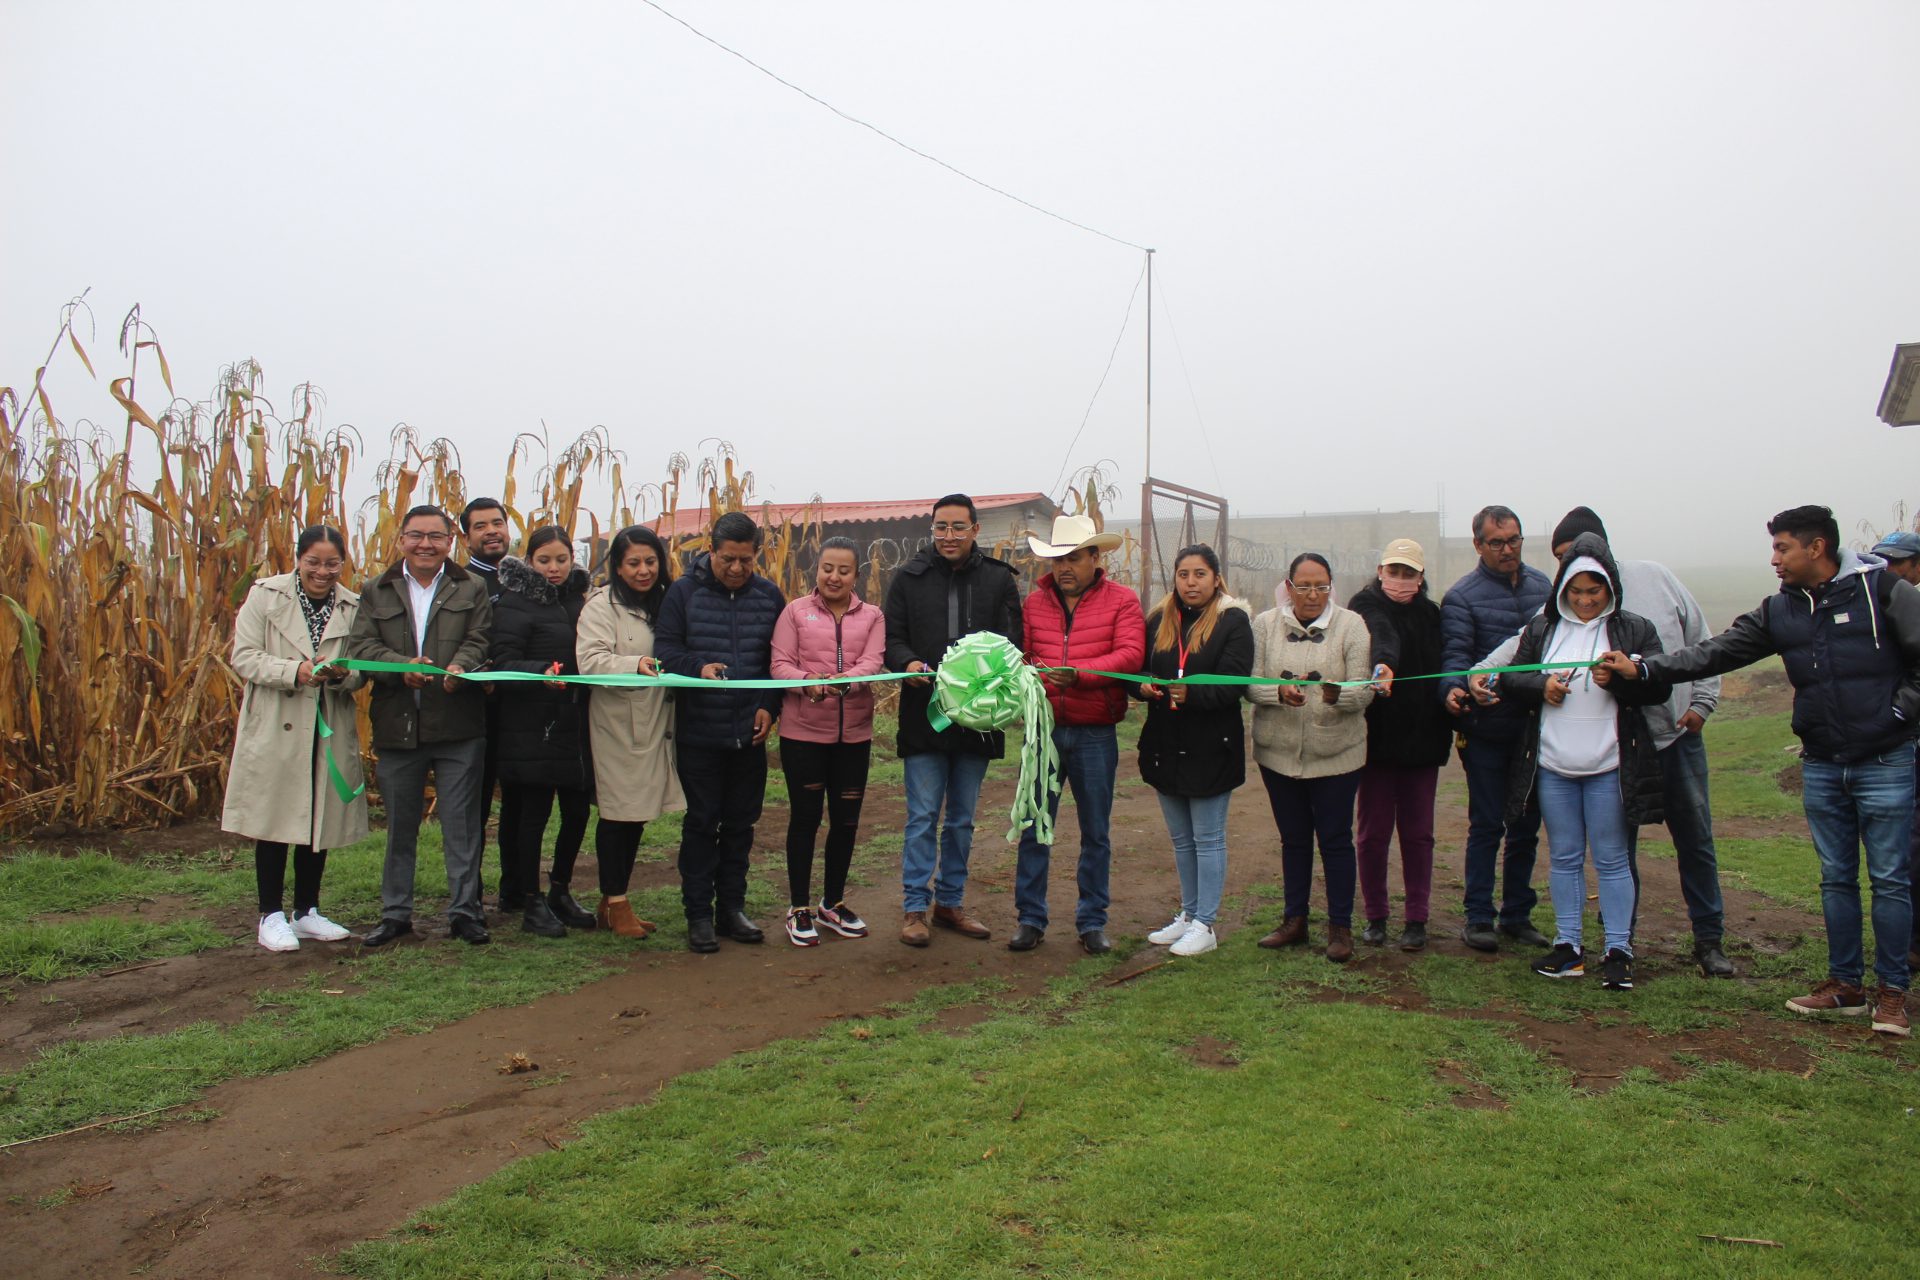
pixel 1210 678
pixel 984 683
pixel 346 793
pixel 622 680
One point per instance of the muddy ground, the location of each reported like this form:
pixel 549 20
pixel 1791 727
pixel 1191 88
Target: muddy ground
pixel 315 1159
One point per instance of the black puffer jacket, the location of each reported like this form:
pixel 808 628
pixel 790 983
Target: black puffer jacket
pixel 701 622
pixel 1410 729
pixel 930 605
pixel 1642 785
pixel 543 739
pixel 1200 748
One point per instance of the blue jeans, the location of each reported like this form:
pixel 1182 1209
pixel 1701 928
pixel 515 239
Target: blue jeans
pixel 1486 765
pixel 1867 802
pixel 1585 814
pixel 1198 826
pixel 936 779
pixel 1089 756
pixel 1683 768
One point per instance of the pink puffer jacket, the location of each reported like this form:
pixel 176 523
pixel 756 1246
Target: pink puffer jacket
pixel 809 641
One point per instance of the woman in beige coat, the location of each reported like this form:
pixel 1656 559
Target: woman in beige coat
pixel 630 729
pixel 1311 743
pixel 281 790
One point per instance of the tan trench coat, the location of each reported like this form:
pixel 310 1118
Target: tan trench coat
pixel 278 771
pixel 631 729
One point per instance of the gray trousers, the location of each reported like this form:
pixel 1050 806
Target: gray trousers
pixel 456 768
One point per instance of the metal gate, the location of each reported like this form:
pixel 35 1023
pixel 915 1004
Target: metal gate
pixel 1173 516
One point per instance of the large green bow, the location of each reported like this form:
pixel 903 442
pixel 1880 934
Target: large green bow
pixel 984 683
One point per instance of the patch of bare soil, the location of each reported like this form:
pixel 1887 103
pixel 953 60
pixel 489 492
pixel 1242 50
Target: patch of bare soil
pixel 132 845
pixel 1221 1055
pixel 1790 779
pixel 347 1148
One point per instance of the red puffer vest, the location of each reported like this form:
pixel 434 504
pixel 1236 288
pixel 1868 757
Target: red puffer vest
pixel 1105 632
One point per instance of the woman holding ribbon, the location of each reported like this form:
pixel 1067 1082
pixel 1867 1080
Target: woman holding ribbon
pixel 1310 738
pixel 1408 738
pixel 1586 751
pixel 543 740
pixel 1193 747
pixel 826 735
pixel 295 779
pixel 629 727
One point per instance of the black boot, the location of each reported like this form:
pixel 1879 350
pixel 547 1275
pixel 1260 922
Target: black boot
pixel 539 919
pixel 700 937
pixel 1375 934
pixel 569 911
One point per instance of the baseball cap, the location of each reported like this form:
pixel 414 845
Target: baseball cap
pixel 1407 552
pixel 1898 546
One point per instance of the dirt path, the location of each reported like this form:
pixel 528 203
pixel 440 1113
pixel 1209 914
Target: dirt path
pixel 307 1162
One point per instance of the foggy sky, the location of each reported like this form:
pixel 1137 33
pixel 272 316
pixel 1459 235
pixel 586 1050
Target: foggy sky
pixel 1653 258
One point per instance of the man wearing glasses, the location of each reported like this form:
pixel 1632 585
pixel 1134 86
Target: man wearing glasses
pixel 947 590
pixel 426 609
pixel 1492 602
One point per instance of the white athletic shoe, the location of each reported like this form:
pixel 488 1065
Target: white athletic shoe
pixel 317 927
pixel 276 934
pixel 1173 932
pixel 1198 940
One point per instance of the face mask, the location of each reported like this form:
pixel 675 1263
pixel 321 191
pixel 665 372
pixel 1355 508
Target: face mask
pixel 1399 590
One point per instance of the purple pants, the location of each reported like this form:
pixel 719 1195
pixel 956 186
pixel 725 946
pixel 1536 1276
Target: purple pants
pixel 1391 796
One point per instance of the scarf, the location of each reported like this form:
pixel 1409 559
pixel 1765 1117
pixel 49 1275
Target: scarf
pixel 318 613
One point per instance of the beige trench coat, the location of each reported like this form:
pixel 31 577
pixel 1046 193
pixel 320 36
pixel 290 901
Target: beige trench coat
pixel 278 787
pixel 631 729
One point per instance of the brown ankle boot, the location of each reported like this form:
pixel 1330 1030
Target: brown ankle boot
pixel 914 931
pixel 957 919
pixel 617 915
pixel 1339 943
pixel 1291 933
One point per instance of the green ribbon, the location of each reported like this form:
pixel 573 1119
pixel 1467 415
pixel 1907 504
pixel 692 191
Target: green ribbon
pixel 1211 678
pixel 348 794
pixel 984 683
pixel 620 680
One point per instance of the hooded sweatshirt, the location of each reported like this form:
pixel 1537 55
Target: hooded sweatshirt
pixel 1580 738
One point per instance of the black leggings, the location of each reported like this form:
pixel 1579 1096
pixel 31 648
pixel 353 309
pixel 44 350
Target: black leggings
pixel 830 776
pixel 270 876
pixel 616 845
pixel 530 807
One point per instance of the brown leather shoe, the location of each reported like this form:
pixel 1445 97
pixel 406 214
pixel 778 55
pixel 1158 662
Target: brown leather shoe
pixel 616 914
pixel 1890 1012
pixel 1291 933
pixel 957 919
pixel 914 931
pixel 1831 996
pixel 1339 943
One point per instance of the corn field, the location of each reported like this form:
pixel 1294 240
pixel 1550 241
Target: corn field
pixel 117 703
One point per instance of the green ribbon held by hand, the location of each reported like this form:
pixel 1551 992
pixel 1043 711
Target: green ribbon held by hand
pixel 984 683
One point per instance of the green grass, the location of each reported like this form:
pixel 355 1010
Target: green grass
pixel 1091 1142
pixel 68 948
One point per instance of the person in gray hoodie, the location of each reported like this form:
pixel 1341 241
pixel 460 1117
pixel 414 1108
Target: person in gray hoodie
pixel 1677 726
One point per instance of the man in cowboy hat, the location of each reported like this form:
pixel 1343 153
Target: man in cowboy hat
pixel 1076 617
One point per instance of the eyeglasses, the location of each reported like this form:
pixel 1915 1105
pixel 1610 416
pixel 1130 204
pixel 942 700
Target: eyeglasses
pixel 1503 544
pixel 944 530
pixel 418 537
pixel 1320 590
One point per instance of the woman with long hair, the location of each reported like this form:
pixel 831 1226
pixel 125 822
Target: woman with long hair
pixel 1193 747
pixel 290 785
pixel 628 728
pixel 1311 740
pixel 543 740
pixel 826 735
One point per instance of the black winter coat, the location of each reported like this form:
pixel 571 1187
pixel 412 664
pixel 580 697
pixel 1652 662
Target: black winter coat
pixel 1411 728
pixel 701 622
pixel 930 605
pixel 542 730
pixel 1642 784
pixel 1200 748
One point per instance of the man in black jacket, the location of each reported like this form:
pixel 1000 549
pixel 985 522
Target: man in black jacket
pixel 1849 634
pixel 483 527
pixel 949 590
pixel 717 623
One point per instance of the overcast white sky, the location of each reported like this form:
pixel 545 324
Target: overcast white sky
pixel 1651 257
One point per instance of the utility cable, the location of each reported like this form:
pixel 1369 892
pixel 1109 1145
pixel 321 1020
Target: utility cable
pixel 850 119
pixel 1118 338
pixel 1167 308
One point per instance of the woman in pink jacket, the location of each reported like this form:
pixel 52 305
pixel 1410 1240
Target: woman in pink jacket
pixel 826 734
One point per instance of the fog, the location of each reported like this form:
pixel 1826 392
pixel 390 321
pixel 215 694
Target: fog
pixel 1649 257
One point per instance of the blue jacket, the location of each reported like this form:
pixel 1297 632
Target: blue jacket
pixel 1852 651
pixel 701 622
pixel 1480 612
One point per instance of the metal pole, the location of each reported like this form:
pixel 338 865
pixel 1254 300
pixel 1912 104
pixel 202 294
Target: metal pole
pixel 1146 485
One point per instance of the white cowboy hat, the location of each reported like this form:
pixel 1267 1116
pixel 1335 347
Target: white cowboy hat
pixel 1070 533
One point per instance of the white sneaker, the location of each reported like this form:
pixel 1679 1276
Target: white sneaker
pixel 276 934
pixel 320 929
pixel 1173 932
pixel 1197 941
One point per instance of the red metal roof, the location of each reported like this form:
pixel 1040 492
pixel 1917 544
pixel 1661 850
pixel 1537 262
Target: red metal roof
pixel 687 519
